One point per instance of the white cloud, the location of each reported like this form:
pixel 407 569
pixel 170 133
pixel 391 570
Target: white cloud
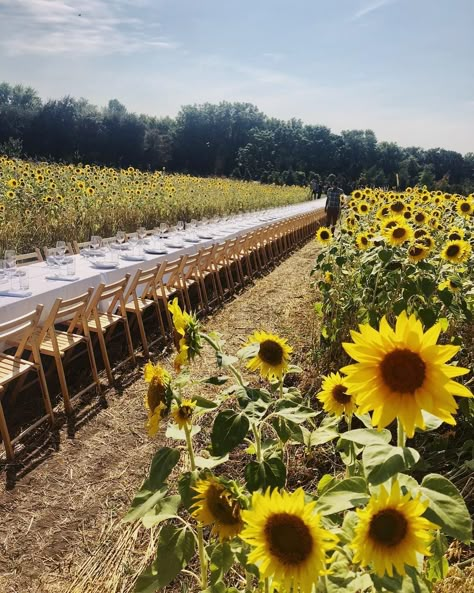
pixel 369 7
pixel 84 27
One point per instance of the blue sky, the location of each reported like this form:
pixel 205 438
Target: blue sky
pixel 403 68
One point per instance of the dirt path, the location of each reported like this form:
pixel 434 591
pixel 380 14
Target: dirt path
pixel 63 519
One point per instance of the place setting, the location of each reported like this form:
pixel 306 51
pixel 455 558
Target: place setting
pixel 62 267
pixel 13 282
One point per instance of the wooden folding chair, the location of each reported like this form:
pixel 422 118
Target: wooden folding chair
pixel 141 295
pixel 191 279
pixel 221 268
pixel 57 343
pixel 13 366
pixel 208 277
pixel 105 322
pixel 25 259
pixel 168 285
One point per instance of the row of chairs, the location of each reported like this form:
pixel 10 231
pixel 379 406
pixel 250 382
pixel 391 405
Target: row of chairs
pixel 200 281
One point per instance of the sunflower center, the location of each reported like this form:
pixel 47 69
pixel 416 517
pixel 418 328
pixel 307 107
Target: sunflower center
pixel 397 206
pixel 388 527
pixel 289 538
pixel 364 240
pixel 185 412
pixel 324 235
pixel 155 394
pixel 465 207
pixel 340 394
pixel 420 217
pixel 391 224
pixel 221 509
pixel 415 251
pixel 271 352
pixel 453 250
pixel 403 370
pixel 454 237
pixel 399 233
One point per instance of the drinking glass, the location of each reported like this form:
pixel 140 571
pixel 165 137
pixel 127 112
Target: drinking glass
pixel 141 232
pixel 180 226
pixel 60 250
pixel 120 237
pixel 163 228
pixel 133 240
pixel 3 275
pixel 71 267
pixel 10 263
pixel 51 260
pixel 24 280
pixel 95 242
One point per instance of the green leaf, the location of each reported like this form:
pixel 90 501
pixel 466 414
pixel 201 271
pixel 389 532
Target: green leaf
pixel 210 462
pixel 346 494
pixel 320 436
pixel 173 431
pixel 399 306
pixel 447 507
pixel 175 550
pixel 385 255
pixel 340 260
pixel 428 286
pixel 215 380
pixel 269 473
pixel 205 403
pixel 381 462
pixel 185 488
pixel 325 482
pixel 165 509
pixel 221 560
pixel 249 351
pixel 293 411
pixel 161 466
pixel 428 317
pixel 286 430
pixel 436 564
pixel 431 422
pixel 293 369
pixel 228 431
pixel 367 436
pixel 223 360
pixel 143 502
pixel 446 297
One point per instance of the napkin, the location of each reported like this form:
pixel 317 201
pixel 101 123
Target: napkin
pixel 15 293
pixel 63 278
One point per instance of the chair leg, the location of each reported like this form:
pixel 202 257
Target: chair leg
pixel 141 329
pixel 63 384
pixel 44 387
pixel 7 443
pixel 95 374
pixel 105 357
pixel 129 339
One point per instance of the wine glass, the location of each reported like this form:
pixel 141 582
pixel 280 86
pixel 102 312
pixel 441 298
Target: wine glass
pixel 2 271
pixel 60 250
pixel 133 240
pixel 120 236
pixel 163 228
pixel 95 243
pixel 180 226
pixel 10 264
pixel 141 232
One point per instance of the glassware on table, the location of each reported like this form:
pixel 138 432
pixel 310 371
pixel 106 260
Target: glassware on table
pixel 51 260
pixel 120 236
pixel 71 267
pixel 24 280
pixel 60 250
pixel 96 242
pixel 180 226
pixel 163 228
pixel 133 240
pixel 10 264
pixel 3 275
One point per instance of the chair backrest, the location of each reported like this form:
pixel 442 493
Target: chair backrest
pixel 68 311
pixel 113 293
pixel 142 285
pixel 171 275
pixel 69 249
pixel 78 246
pixel 20 329
pixel 191 266
pixel 25 259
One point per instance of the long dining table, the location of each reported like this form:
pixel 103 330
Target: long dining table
pixel 45 289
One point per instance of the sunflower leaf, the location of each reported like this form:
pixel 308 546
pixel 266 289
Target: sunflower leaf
pixel 143 502
pixel 161 466
pixel 175 549
pixel 165 509
pixel 381 462
pixel 447 507
pixel 186 483
pixel 270 473
pixel 345 494
pixel 228 431
pixel 173 431
pixel 367 436
pixel 209 462
pixel 221 559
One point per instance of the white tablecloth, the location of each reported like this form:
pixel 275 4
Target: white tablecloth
pixel 46 291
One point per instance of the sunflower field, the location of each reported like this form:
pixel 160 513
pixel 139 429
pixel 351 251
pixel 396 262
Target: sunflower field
pixel 395 304
pixel 44 202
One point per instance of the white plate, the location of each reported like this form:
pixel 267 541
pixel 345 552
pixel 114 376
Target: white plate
pixel 205 235
pixel 155 250
pixel 174 244
pixel 105 265
pixel 192 239
pixel 130 257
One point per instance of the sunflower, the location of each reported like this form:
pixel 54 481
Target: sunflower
pixel 455 234
pixel 451 284
pixel 362 241
pixel 456 252
pixel 335 398
pixel 397 207
pixel 390 223
pixel 324 235
pixel 391 531
pixel 399 234
pixel 272 357
pixel 187 337
pixel 183 413
pixel 383 212
pixel 417 252
pixel 401 372
pixel 427 240
pixel 156 402
pixel 328 277
pixel 363 208
pixel 288 543
pixel 216 505
pixel 464 208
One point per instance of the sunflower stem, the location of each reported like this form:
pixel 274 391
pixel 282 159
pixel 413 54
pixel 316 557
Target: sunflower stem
pixel 258 443
pixel 248 582
pixel 200 536
pixel 281 387
pixel 267 585
pixel 401 436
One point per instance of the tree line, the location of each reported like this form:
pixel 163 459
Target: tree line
pixel 228 139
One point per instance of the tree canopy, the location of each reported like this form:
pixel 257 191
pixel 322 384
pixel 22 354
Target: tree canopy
pixel 227 139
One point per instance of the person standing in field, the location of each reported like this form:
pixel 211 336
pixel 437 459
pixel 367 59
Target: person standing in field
pixel 333 204
pixel 314 186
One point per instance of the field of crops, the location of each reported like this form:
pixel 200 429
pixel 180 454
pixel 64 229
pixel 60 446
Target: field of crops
pixel 44 202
